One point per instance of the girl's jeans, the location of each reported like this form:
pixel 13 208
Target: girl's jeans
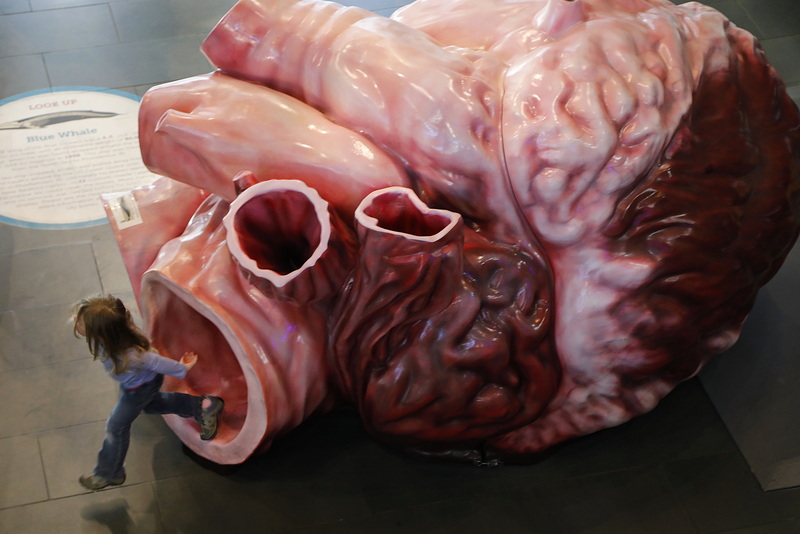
pixel 149 399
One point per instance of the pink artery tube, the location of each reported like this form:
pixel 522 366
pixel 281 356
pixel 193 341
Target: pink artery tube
pixel 410 267
pixel 263 356
pixel 288 242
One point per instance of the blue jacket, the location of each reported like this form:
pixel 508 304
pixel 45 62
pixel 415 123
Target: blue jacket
pixel 143 367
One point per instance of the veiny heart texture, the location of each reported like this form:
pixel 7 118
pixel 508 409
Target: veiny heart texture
pixel 489 225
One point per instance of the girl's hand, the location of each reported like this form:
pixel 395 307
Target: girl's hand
pixel 189 359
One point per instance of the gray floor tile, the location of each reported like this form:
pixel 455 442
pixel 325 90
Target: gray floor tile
pixel 40 5
pixel 300 482
pixel 721 493
pixel 48 276
pixel 155 453
pixel 629 501
pixel 23 479
pixel 8 7
pixel 113 275
pixel 129 64
pixel 21 239
pixel 328 528
pixel 386 12
pixel 712 3
pixel 68 453
pixel 683 425
pixel 128 509
pixel 244 503
pixel 464 516
pixel 784 527
pixel 510 512
pixel 392 481
pixel 161 19
pixel 753 385
pixel 776 18
pixel 389 479
pixel 23 345
pixel 783 53
pixel 129 89
pixel 377 6
pixel 184 506
pixel 794 92
pixel 46 31
pixel 20 74
pixel 54 396
pixel 142 89
pixel 734 11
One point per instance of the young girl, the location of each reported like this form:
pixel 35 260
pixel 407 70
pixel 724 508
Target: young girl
pixel 127 357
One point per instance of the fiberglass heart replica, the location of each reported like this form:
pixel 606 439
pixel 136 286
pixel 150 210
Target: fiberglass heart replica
pixel 489 225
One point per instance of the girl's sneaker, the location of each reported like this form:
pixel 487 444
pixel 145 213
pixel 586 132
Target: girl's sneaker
pixel 209 418
pixel 95 482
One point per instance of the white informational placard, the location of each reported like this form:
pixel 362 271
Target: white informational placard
pixel 60 149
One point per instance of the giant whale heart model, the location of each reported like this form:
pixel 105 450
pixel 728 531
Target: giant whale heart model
pixel 489 225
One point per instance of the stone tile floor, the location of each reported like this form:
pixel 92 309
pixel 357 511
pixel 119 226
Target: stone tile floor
pixel 673 471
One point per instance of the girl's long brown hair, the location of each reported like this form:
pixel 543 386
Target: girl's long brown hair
pixel 110 330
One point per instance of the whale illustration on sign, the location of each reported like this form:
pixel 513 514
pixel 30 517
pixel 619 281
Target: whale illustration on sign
pixel 48 119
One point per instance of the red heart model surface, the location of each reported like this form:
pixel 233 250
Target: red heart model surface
pixel 489 225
